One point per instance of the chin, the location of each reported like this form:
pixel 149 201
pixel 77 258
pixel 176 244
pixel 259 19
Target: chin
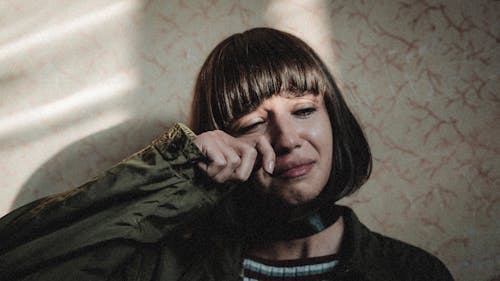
pixel 285 193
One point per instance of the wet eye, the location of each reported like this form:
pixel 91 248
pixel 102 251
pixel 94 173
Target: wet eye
pixel 249 128
pixel 304 112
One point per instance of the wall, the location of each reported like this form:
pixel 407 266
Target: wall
pixel 85 83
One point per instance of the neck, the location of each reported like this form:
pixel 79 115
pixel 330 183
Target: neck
pixel 324 243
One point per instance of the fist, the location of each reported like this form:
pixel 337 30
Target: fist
pixel 234 159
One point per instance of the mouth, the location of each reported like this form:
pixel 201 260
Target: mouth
pixel 294 171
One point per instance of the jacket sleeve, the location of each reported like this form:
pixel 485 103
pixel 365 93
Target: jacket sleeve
pixel 90 232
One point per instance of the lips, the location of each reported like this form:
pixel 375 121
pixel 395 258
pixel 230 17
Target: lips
pixel 293 169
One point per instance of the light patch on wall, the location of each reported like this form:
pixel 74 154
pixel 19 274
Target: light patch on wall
pixel 84 129
pixel 307 19
pixel 63 29
pixel 109 89
pixel 52 145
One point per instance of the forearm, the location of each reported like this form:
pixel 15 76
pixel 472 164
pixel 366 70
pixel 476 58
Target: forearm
pixel 143 199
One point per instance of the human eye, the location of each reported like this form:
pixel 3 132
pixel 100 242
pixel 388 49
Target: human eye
pixel 252 126
pixel 249 128
pixel 304 112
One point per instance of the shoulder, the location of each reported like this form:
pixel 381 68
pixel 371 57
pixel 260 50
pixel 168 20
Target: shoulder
pixel 376 255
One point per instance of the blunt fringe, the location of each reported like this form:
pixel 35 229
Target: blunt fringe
pixel 247 68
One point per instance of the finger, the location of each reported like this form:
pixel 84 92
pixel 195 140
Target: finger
pixel 248 157
pixel 203 166
pixel 216 161
pixel 268 156
pixel 233 161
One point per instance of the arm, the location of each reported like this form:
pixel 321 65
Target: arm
pixel 143 199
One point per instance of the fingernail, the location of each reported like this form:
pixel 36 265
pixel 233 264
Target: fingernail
pixel 270 167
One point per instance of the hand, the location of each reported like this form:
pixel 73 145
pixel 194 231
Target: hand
pixel 234 159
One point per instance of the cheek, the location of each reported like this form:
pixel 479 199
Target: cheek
pixel 321 137
pixel 322 141
pixel 325 134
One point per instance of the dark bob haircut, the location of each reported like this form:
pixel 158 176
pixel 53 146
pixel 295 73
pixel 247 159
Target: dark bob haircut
pixel 249 67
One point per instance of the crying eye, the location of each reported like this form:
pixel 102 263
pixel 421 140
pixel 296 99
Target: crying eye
pixel 249 128
pixel 304 112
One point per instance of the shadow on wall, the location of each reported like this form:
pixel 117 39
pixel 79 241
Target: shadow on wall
pixel 72 166
pixel 171 41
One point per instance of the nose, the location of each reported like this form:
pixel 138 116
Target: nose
pixel 284 134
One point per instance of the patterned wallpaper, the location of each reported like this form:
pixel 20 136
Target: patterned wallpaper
pixel 83 84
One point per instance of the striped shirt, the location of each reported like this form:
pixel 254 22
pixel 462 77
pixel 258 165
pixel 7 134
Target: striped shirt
pixel 316 268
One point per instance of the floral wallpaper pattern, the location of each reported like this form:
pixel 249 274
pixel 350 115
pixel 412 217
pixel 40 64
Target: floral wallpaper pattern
pixel 83 84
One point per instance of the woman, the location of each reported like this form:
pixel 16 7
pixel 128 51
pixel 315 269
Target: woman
pixel 251 196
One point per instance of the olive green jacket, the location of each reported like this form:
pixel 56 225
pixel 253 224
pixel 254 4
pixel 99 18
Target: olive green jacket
pixel 149 218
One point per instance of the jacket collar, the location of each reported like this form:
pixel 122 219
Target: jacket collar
pixel 355 237
pixel 361 252
pixel 227 254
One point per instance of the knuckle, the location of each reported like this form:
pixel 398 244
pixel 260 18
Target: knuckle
pixel 247 148
pixel 253 153
pixel 219 163
pixel 212 134
pixel 218 180
pixel 241 176
pixel 219 133
pixel 234 161
pixel 212 171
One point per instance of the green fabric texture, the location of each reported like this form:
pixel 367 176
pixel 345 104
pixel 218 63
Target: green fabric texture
pixel 150 218
pixel 107 228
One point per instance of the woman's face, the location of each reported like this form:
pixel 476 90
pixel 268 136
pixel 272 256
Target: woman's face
pixel 298 129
